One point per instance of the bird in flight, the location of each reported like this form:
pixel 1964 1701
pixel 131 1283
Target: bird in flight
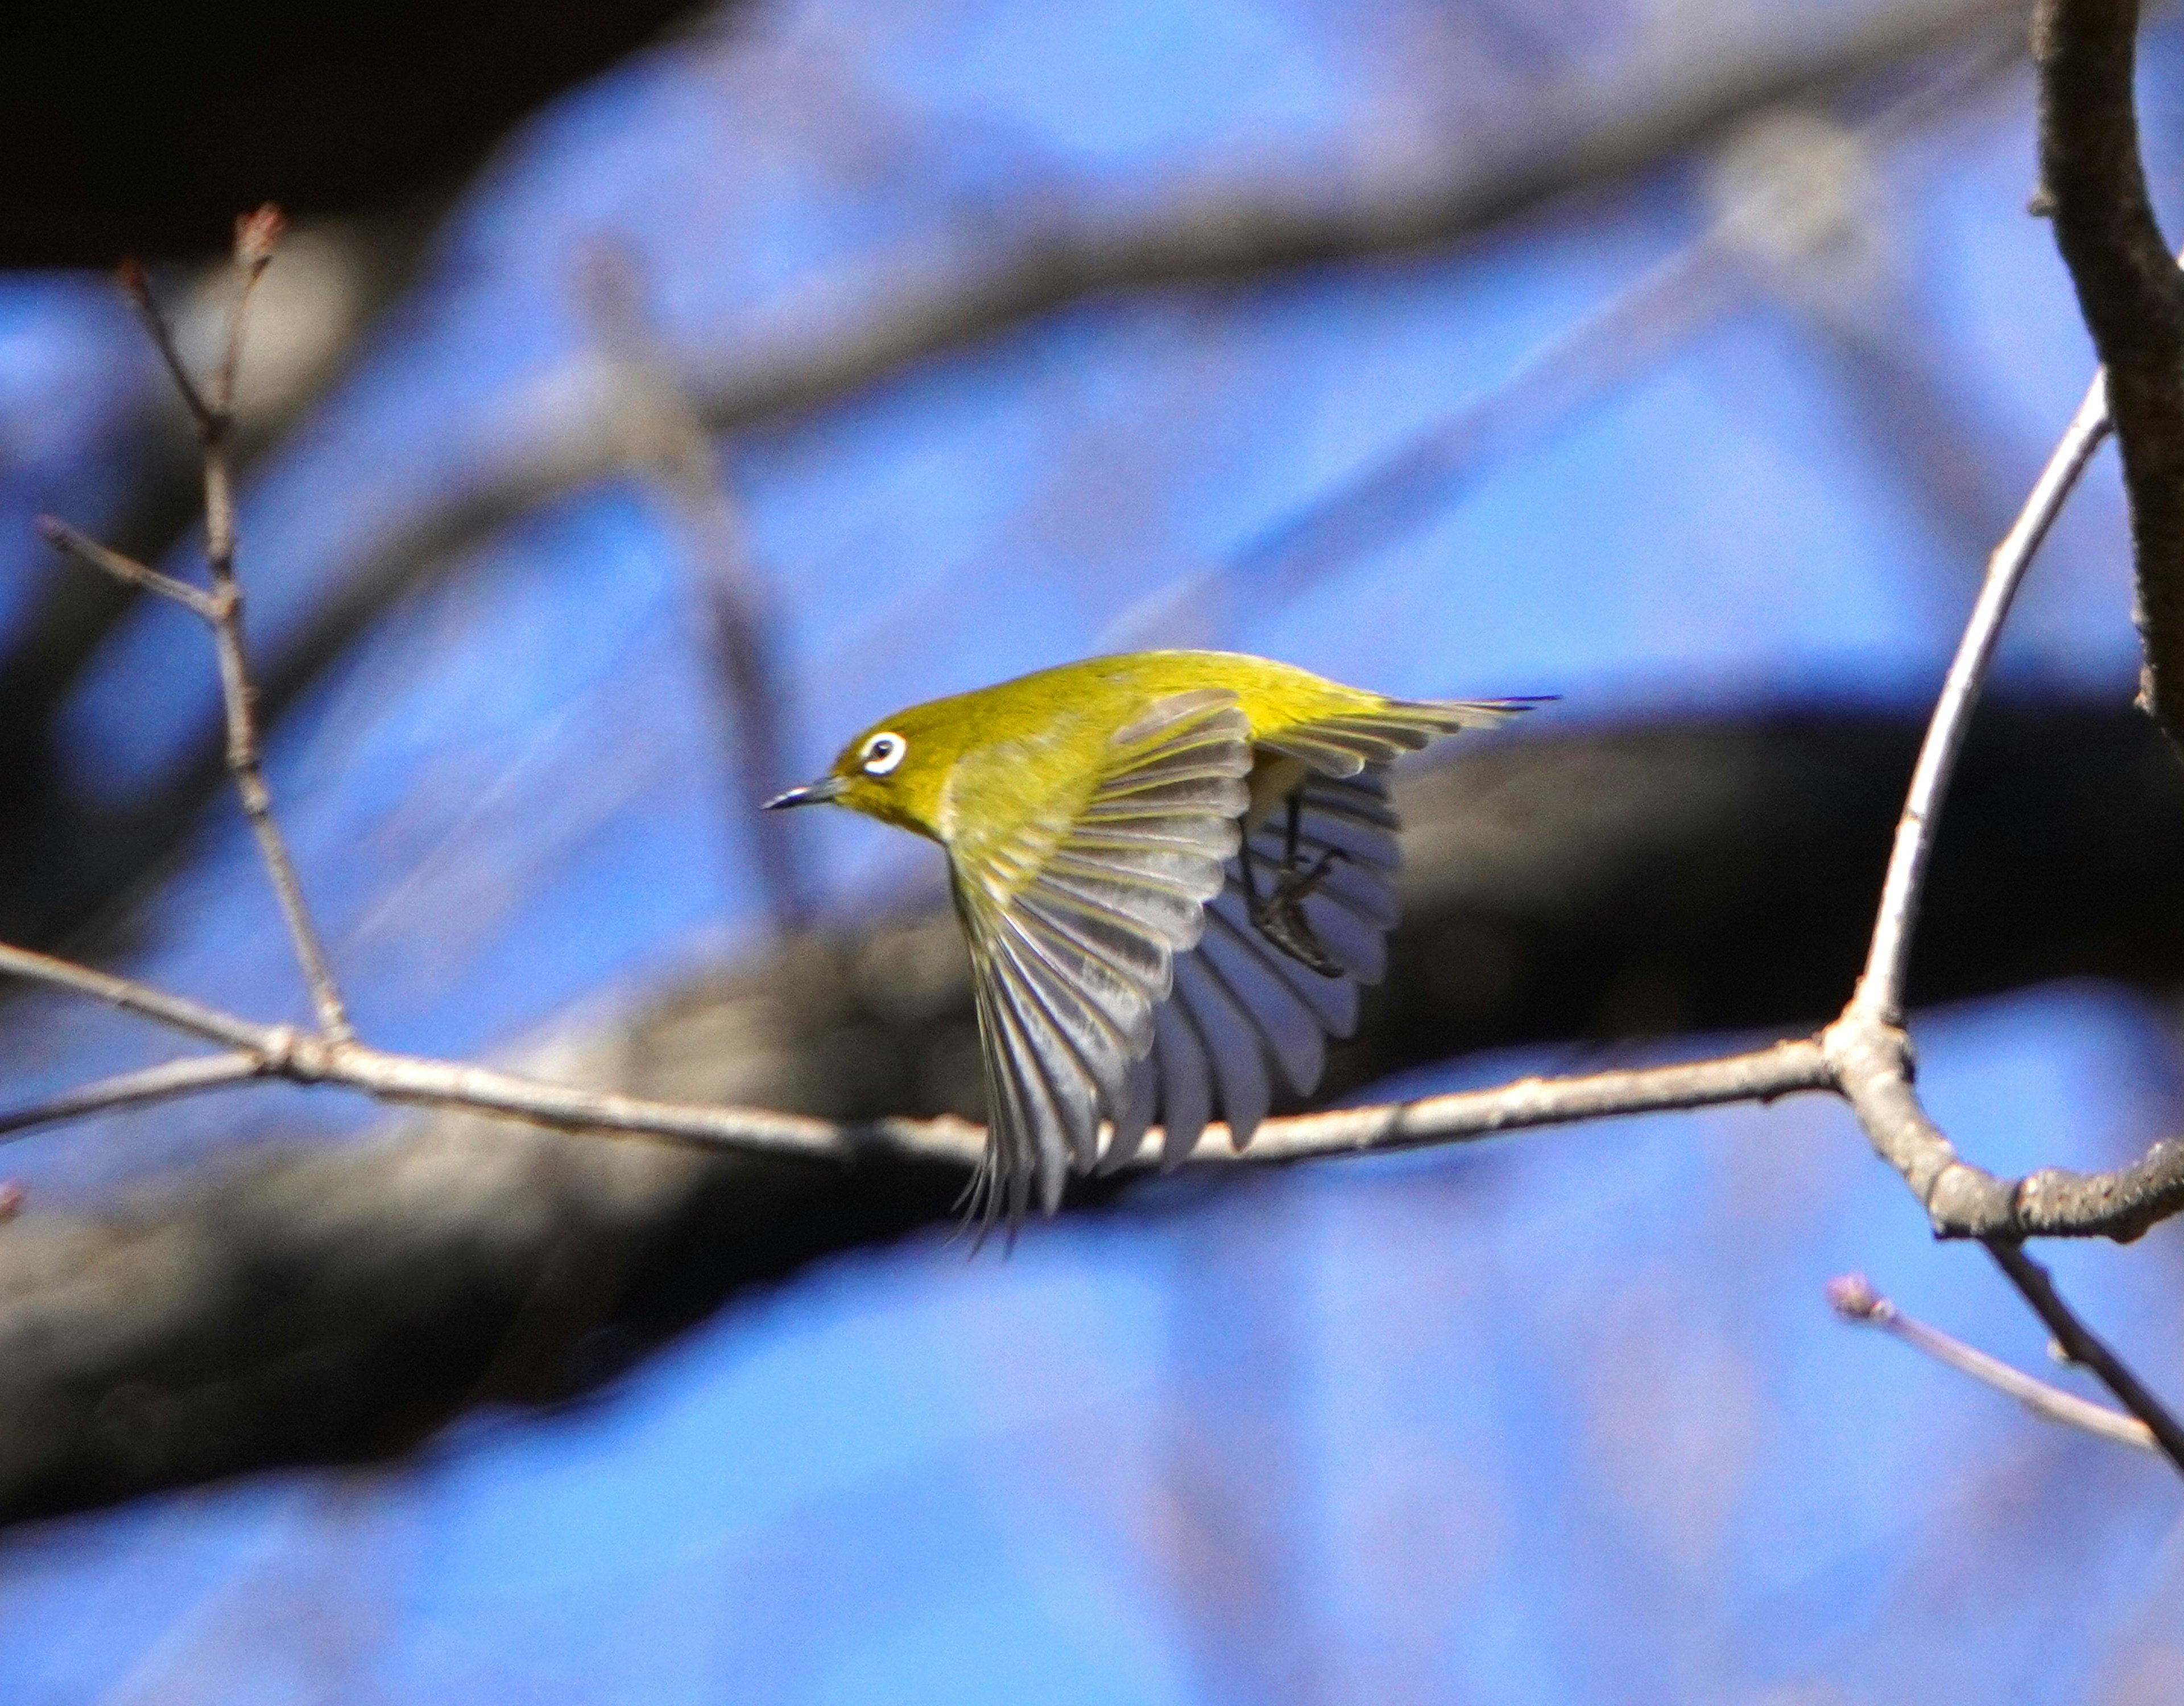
pixel 1174 869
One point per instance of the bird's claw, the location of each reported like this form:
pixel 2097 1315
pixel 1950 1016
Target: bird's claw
pixel 1280 916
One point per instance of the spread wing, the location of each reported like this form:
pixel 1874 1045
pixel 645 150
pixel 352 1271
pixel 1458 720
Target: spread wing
pixel 1075 927
pixel 1244 1015
pixel 1117 974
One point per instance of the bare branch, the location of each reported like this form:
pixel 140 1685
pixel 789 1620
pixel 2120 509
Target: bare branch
pixel 1872 1067
pixel 1867 1048
pixel 1855 1300
pixel 1872 1063
pixel 2093 185
pixel 280 1051
pixel 134 1088
pixel 1879 995
pixel 1761 1075
pixel 177 1013
pixel 255 236
pixel 664 440
pixel 126 569
pixel 2081 1347
pixel 2120 1204
pixel 138 289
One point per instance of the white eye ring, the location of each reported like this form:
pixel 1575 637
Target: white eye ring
pixel 882 753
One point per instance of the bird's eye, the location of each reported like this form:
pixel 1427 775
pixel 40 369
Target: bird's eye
pixel 882 753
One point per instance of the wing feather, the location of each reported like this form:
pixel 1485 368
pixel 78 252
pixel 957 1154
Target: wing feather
pixel 1074 933
pixel 1283 1027
pixel 1240 1004
pixel 1119 975
pixel 1102 1038
pixel 1236 1059
pixel 1185 1075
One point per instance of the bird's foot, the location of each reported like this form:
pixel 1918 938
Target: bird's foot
pixel 1280 916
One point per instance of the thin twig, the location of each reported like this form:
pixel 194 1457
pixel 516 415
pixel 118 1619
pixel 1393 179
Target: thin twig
pixel 134 1089
pixel 126 569
pixel 1866 1045
pixel 1855 1299
pixel 2081 1347
pixel 1760 1075
pixel 214 412
pixel 1879 993
pixel 137 288
pixel 177 1013
pixel 281 1052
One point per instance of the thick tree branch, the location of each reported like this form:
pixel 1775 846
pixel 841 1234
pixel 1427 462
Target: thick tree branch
pixel 1564 860
pixel 2093 186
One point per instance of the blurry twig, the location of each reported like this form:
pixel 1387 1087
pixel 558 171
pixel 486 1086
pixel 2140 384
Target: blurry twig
pixel 1855 1300
pixel 161 1083
pixel 1788 190
pixel 212 408
pixel 1414 483
pixel 1038 259
pixel 664 437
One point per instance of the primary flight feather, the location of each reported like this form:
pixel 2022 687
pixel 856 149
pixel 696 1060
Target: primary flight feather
pixel 1173 869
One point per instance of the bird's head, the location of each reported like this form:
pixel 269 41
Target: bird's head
pixel 895 771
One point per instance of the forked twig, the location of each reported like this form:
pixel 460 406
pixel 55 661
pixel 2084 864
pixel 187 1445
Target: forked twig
pixel 212 409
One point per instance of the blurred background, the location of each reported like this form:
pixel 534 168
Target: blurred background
pixel 648 397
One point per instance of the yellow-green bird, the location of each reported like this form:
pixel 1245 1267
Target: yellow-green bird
pixel 1174 869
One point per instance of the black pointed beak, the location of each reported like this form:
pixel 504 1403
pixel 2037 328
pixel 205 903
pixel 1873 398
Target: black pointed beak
pixel 812 793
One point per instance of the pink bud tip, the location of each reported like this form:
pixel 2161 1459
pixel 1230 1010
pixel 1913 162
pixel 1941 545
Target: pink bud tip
pixel 1852 1296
